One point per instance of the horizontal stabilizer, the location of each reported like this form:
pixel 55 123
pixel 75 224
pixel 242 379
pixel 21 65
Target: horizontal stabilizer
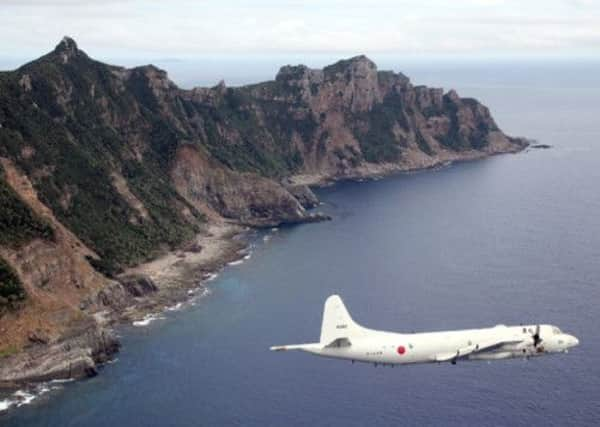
pixel 301 347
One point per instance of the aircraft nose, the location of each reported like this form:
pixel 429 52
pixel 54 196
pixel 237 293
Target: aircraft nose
pixel 573 341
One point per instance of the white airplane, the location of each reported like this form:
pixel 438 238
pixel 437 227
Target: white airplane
pixel 342 338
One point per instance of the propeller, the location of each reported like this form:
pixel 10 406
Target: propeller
pixel 537 340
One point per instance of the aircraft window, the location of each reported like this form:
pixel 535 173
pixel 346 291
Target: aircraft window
pixel 556 331
pixel 524 330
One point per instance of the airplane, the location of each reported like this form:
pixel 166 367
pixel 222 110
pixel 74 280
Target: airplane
pixel 342 338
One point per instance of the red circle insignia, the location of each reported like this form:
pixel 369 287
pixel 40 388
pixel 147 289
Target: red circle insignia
pixel 401 350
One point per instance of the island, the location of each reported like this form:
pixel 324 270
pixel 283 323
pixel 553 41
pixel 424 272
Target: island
pixel 120 190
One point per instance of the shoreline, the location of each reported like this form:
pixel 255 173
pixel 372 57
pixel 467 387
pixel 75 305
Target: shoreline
pixel 177 272
pixel 183 274
pixel 375 171
pixel 179 276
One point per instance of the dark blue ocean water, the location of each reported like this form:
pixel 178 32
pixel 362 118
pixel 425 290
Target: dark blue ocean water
pixel 510 239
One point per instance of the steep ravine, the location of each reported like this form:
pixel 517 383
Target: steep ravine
pixel 105 168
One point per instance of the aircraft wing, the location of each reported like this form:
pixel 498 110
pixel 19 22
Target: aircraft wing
pixel 475 348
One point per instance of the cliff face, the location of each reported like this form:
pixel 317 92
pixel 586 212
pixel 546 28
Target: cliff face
pixel 104 167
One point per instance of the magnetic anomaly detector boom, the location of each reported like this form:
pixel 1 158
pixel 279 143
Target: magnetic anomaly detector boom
pixel 342 338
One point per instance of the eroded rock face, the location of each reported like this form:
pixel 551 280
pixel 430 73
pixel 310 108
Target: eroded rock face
pixel 75 355
pixel 304 195
pixel 245 197
pixel 58 335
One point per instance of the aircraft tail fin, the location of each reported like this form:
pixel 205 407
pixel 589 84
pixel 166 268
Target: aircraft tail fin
pixel 337 328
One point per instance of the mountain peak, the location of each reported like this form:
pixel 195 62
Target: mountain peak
pixel 360 58
pixel 352 65
pixel 67 49
pixel 67 44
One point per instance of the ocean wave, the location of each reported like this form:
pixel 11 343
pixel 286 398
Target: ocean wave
pixel 25 397
pixel 203 292
pixel 175 307
pixel 5 404
pixel 246 255
pixel 148 318
pixel 210 277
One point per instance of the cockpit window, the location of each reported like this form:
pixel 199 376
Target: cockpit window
pixel 556 331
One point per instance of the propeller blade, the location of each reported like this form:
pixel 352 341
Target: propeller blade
pixel 536 336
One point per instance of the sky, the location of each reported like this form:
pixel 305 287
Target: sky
pixel 186 28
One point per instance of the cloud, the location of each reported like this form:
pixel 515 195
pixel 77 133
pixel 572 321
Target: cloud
pixel 185 27
pixel 57 3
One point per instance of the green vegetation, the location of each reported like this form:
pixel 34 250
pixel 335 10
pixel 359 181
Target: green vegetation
pixel 423 145
pixel 455 139
pixel 18 224
pixel 253 147
pixel 11 289
pixel 75 152
pixel 379 144
pixel 8 351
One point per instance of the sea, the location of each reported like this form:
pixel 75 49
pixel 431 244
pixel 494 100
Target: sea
pixel 505 240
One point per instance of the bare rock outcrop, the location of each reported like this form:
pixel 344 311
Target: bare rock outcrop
pixel 245 197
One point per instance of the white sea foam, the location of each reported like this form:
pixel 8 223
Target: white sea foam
pixel 211 277
pixel 175 307
pixel 203 292
pixel 266 238
pixel 148 318
pixel 247 256
pixel 237 262
pixel 5 404
pixel 25 397
pixel 274 229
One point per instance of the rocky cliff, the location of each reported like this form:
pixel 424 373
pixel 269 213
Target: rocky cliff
pixel 105 167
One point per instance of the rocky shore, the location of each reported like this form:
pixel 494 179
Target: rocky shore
pixel 381 170
pixel 148 288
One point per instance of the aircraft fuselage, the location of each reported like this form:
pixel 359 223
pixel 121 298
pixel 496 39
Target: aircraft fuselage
pixel 434 347
pixel 342 338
